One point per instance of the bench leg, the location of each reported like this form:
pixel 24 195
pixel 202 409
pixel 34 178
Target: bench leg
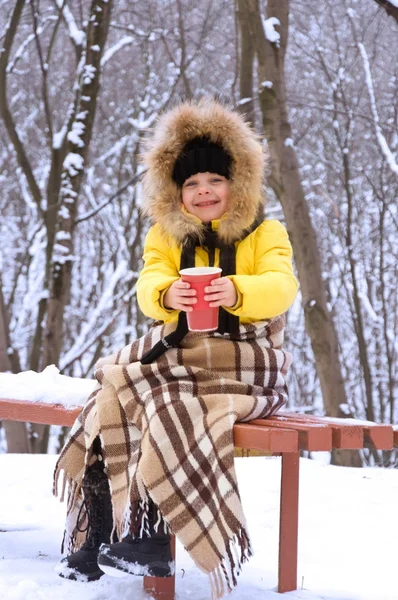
pixel 288 526
pixel 162 588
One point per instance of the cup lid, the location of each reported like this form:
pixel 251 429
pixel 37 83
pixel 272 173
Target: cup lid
pixel 200 271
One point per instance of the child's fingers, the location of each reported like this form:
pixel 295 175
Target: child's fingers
pixel 214 292
pixel 219 281
pixel 182 284
pixel 186 293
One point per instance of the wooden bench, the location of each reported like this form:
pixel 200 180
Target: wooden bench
pixel 284 435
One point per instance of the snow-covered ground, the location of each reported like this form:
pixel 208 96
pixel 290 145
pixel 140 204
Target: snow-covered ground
pixel 347 544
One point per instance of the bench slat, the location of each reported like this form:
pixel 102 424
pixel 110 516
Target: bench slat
pixel 350 433
pixel 291 430
pixel 344 435
pixel 311 436
pixel 255 437
pixel 380 437
pixel 38 412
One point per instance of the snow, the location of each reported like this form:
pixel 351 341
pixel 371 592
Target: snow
pixel 125 41
pixel 64 213
pixel 73 163
pixel 393 2
pixel 243 101
pixel 62 235
pixel 49 386
pixel 88 74
pixel 59 137
pixel 270 32
pixel 348 530
pixel 74 135
pixel 22 49
pixel 74 32
pixel 347 524
pixel 61 254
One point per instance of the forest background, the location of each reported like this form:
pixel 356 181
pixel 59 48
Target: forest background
pixel 82 81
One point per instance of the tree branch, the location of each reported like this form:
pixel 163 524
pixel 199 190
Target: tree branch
pixel 391 9
pixel 120 191
pixel 75 35
pixel 4 109
pixel 44 69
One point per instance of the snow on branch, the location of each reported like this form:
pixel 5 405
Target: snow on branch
pixel 126 41
pixel 376 120
pixel 271 34
pixel 91 331
pixel 29 39
pixel 76 34
pixel 94 211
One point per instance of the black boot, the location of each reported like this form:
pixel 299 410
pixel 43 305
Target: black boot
pixel 149 555
pixel 82 565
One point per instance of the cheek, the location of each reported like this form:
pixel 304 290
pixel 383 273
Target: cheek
pixel 186 197
pixel 226 195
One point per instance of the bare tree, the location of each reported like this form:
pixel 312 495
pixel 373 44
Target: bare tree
pixel 285 181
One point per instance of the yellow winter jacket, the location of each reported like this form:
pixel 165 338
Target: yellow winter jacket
pixel 264 278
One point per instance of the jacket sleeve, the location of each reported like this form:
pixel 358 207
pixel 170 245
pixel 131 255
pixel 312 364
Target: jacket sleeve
pixel 158 273
pixel 272 287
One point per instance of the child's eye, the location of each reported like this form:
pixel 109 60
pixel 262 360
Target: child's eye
pixel 189 183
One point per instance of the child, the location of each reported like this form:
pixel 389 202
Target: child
pixel 152 451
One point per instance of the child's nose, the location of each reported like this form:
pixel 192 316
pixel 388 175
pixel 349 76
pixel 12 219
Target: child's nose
pixel 203 190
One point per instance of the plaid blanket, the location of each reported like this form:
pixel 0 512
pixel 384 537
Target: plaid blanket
pixel 166 430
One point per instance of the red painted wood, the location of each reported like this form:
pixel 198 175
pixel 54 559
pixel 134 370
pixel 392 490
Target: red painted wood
pixel 347 432
pixel 37 412
pixel 344 435
pixel 255 437
pixel 380 437
pixel 162 588
pixel 288 525
pixel 311 436
pixel 349 437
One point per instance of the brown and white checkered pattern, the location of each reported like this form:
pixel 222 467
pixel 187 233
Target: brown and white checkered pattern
pixel 167 431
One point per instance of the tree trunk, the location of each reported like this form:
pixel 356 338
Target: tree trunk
pixel 285 181
pixel 71 179
pixel 246 63
pixel 16 434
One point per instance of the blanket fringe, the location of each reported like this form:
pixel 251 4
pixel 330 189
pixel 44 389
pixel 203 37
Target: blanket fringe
pixel 224 577
pixel 147 516
pixel 74 533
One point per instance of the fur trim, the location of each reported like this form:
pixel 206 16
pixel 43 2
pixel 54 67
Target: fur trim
pixel 222 125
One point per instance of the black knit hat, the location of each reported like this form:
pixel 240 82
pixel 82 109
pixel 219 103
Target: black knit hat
pixel 201 155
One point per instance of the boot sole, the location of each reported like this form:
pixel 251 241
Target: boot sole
pixel 74 575
pixel 117 567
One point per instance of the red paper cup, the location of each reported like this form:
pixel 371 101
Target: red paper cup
pixel 202 317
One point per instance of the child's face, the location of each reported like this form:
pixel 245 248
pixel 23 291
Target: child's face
pixel 206 196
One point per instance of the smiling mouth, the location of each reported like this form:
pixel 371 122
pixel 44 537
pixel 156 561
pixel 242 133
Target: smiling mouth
pixel 208 203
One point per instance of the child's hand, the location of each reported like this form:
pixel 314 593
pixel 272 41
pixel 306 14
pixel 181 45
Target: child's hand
pixel 180 296
pixel 221 292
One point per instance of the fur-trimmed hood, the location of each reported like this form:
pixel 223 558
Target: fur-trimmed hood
pixel 162 197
